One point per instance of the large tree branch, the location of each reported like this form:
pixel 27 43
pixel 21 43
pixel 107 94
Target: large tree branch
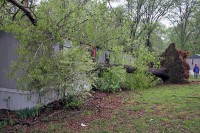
pixel 26 10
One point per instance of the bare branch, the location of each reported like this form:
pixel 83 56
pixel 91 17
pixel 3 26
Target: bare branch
pixel 26 10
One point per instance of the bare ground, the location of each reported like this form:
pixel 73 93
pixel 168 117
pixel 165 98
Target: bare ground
pixel 100 106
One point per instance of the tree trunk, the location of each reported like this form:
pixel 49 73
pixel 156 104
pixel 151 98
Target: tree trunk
pixel 148 42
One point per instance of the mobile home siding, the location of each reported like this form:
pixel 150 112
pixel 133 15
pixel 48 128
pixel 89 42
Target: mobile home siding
pixel 8 47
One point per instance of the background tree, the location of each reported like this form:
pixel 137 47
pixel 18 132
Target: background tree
pixel 144 15
pixel 159 38
pixel 180 17
pixel 195 33
pixel 154 10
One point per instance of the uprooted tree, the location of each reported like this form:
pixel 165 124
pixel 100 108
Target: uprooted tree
pixel 174 67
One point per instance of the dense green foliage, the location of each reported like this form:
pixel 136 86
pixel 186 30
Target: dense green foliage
pixel 141 78
pixel 138 81
pixel 124 30
pixel 110 80
pixel 90 24
pixel 73 102
pixel 114 78
pixel 40 66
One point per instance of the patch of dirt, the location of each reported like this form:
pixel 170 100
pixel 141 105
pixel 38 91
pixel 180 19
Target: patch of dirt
pixel 194 82
pixel 99 106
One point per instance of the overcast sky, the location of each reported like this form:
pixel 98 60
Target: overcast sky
pixel 166 22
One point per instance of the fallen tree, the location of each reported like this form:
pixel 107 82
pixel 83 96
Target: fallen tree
pixel 174 61
pixel 174 67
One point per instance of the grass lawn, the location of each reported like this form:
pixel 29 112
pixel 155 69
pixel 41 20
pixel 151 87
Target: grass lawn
pixel 161 109
pixel 167 109
pixel 192 79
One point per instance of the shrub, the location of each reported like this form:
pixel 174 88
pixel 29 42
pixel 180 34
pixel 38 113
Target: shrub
pixel 141 78
pixel 74 102
pixel 128 82
pixel 115 78
pixel 138 81
pixel 73 75
pixel 144 59
pixel 111 79
pixel 68 72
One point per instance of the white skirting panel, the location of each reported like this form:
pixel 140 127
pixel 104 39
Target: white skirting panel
pixel 13 99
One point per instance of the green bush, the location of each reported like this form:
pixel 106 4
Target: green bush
pixel 73 102
pixel 114 78
pixel 141 78
pixel 73 73
pixel 138 81
pixel 110 80
pixel 67 72
pixel 129 82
